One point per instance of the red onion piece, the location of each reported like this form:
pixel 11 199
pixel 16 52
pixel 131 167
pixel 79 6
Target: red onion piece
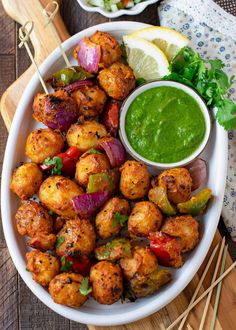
pixel 77 84
pixel 87 204
pixel 89 55
pixel 110 117
pixel 198 172
pixel 114 150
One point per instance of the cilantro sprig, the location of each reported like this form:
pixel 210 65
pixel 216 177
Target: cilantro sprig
pixel 85 289
pixel 65 265
pixel 209 80
pixel 119 218
pixel 94 151
pixel 60 240
pixel 57 164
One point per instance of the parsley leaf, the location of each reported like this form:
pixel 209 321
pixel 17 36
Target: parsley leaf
pixel 84 287
pixel 65 265
pixel 94 151
pixel 60 240
pixel 119 218
pixel 209 80
pixel 57 162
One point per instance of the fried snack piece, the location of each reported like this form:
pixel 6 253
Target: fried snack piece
pixel 32 219
pixel 43 266
pixel 90 100
pixel 186 228
pixel 77 235
pixel 90 164
pixel 85 135
pixel 104 222
pixel 142 262
pixel 110 48
pixel 117 81
pixel 59 223
pixel 114 250
pixel 178 183
pixel 43 143
pixel 43 242
pixel 107 283
pixel 26 180
pixel 65 289
pixel 144 218
pixel 56 194
pixel 135 180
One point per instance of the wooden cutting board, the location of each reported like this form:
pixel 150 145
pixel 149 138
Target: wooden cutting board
pixel 43 44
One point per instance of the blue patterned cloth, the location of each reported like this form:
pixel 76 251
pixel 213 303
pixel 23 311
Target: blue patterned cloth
pixel 212 32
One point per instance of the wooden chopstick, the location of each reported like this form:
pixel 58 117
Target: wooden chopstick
pixel 213 279
pixel 199 284
pixel 202 296
pixel 212 326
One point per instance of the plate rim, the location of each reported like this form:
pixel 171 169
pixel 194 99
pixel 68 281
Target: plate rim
pixel 14 250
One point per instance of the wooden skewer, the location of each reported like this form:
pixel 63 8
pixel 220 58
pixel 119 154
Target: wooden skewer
pixel 212 327
pixel 50 14
pixel 199 284
pixel 24 33
pixel 202 296
pixel 213 279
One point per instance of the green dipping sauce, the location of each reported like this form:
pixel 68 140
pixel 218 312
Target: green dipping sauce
pixel 165 124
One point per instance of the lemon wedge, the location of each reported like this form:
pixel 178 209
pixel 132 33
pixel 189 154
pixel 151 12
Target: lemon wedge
pixel 145 58
pixel 168 40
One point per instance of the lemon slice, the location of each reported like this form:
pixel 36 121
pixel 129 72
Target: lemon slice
pixel 146 59
pixel 168 40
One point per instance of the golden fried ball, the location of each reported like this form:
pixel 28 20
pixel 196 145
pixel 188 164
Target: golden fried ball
pixel 107 283
pixel 59 223
pixel 85 135
pixel 43 242
pixel 26 180
pixel 32 219
pixel 105 223
pixel 142 262
pixel 110 48
pixel 145 217
pixel 90 100
pixel 43 143
pixel 117 81
pixel 78 235
pixel 65 290
pixel 134 180
pixel 90 164
pixel 178 183
pixel 186 228
pixel 43 266
pixel 56 194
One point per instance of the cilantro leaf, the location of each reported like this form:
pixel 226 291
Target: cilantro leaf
pixel 123 50
pixel 57 162
pixel 50 212
pixel 94 151
pixel 226 114
pixel 119 218
pixel 60 240
pixel 140 81
pixel 65 265
pixel 84 287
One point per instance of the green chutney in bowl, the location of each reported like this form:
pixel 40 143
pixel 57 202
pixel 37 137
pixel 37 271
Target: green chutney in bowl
pixel 164 124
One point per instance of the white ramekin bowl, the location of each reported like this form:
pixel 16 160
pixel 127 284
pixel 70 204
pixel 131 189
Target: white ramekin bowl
pixel 135 10
pixel 148 86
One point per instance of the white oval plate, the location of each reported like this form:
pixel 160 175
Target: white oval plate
pixel 135 10
pixel 92 312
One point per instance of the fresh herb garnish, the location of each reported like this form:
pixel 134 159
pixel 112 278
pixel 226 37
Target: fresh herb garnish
pixel 123 50
pixel 94 151
pixel 50 212
pixel 140 81
pixel 27 269
pixel 65 265
pixel 60 240
pixel 84 287
pixel 119 218
pixel 57 162
pixel 209 80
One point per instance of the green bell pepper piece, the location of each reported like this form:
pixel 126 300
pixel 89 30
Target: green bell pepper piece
pixel 197 203
pixel 158 195
pixel 103 181
pixel 67 76
pixel 114 250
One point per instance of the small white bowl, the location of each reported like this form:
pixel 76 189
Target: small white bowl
pixel 135 10
pixel 148 86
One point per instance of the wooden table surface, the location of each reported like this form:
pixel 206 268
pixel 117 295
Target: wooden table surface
pixel 19 308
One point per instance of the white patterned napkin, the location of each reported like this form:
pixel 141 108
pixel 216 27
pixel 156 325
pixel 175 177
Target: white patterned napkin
pixel 212 32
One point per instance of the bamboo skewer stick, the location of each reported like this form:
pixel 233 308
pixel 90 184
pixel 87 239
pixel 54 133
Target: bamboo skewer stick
pixel 213 279
pixel 212 326
pixel 199 284
pixel 50 14
pixel 202 296
pixel 24 33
